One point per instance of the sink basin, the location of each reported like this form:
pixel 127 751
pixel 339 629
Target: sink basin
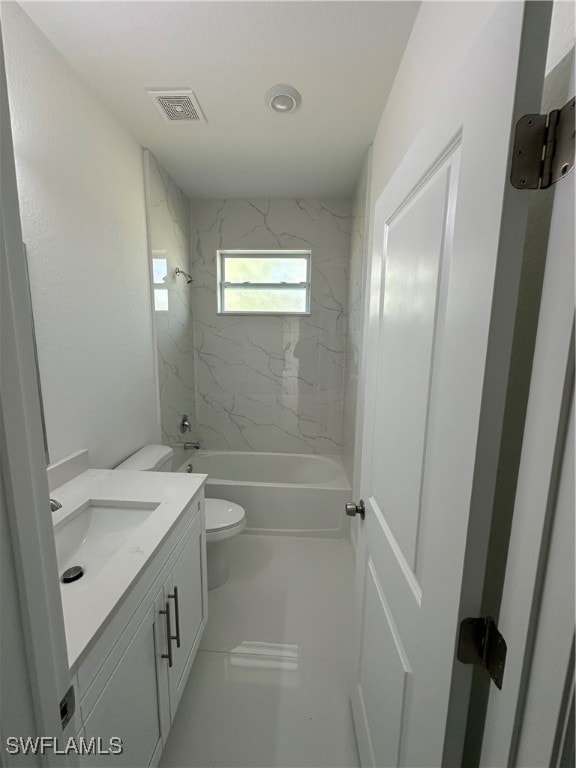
pixel 91 536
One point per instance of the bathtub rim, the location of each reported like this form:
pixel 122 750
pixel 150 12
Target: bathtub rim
pixel 341 483
pixel 286 494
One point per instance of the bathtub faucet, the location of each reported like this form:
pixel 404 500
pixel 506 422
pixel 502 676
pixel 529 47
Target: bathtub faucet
pixel 191 445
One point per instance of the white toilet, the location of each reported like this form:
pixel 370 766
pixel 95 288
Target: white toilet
pixel 224 519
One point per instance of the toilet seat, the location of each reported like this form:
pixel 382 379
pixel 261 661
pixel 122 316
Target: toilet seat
pixel 223 519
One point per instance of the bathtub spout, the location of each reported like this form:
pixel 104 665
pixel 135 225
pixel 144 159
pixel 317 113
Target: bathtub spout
pixel 191 445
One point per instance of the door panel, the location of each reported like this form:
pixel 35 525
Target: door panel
pixel 414 237
pixel 380 637
pixel 417 245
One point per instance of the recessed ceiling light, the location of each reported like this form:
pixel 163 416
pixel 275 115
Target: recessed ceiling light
pixel 283 99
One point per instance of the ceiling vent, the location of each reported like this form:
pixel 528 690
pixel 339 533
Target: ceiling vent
pixel 177 105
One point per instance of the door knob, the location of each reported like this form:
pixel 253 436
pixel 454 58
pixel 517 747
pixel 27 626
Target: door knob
pixel 355 509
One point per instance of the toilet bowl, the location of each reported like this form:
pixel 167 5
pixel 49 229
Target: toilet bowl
pixel 224 519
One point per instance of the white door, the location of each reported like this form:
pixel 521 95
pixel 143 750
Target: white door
pixel 447 250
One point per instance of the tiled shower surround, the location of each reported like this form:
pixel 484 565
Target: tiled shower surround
pixel 263 383
pixel 271 383
pixel 168 211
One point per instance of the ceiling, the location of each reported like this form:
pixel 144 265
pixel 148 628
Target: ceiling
pixel 341 56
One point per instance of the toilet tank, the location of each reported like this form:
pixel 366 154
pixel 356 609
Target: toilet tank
pixel 151 458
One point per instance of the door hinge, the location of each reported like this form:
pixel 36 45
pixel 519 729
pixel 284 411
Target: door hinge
pixel 543 148
pixel 67 707
pixel 479 642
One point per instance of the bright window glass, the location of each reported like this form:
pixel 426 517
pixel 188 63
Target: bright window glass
pixel 161 299
pixel 159 274
pixel 159 270
pixel 264 282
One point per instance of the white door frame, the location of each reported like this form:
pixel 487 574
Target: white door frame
pixel 23 461
pixel 537 650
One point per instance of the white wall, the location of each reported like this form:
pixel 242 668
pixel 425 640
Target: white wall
pixel 355 315
pixel 80 180
pixel 442 33
pixel 562 31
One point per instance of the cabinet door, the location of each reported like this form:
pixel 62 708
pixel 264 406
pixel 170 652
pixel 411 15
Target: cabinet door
pixel 128 706
pixel 188 582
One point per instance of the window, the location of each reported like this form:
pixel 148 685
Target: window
pixel 159 273
pixel 264 282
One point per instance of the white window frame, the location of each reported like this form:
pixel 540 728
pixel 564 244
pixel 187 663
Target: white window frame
pixel 223 255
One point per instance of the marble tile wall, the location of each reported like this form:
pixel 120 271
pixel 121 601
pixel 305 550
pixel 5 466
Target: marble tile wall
pixel 271 383
pixel 355 314
pixel 168 210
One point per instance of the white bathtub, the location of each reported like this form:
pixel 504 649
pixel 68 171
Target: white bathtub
pixel 283 493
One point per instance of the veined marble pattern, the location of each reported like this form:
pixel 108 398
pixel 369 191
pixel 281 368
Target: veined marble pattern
pixel 169 233
pixel 355 318
pixel 271 383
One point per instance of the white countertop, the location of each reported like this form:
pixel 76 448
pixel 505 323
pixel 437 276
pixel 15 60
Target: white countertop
pixel 88 606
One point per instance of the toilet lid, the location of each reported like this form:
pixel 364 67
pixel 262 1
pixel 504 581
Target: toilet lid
pixel 221 514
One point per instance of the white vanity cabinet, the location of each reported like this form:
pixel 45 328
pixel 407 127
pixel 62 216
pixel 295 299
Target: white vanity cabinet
pixel 184 610
pixel 131 681
pixel 128 705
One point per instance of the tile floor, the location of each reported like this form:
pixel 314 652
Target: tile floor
pixel 269 686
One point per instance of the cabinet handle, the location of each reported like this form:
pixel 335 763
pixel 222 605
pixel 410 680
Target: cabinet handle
pixel 174 597
pixel 166 613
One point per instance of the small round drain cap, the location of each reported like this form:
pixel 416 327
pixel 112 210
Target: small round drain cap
pixel 72 574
